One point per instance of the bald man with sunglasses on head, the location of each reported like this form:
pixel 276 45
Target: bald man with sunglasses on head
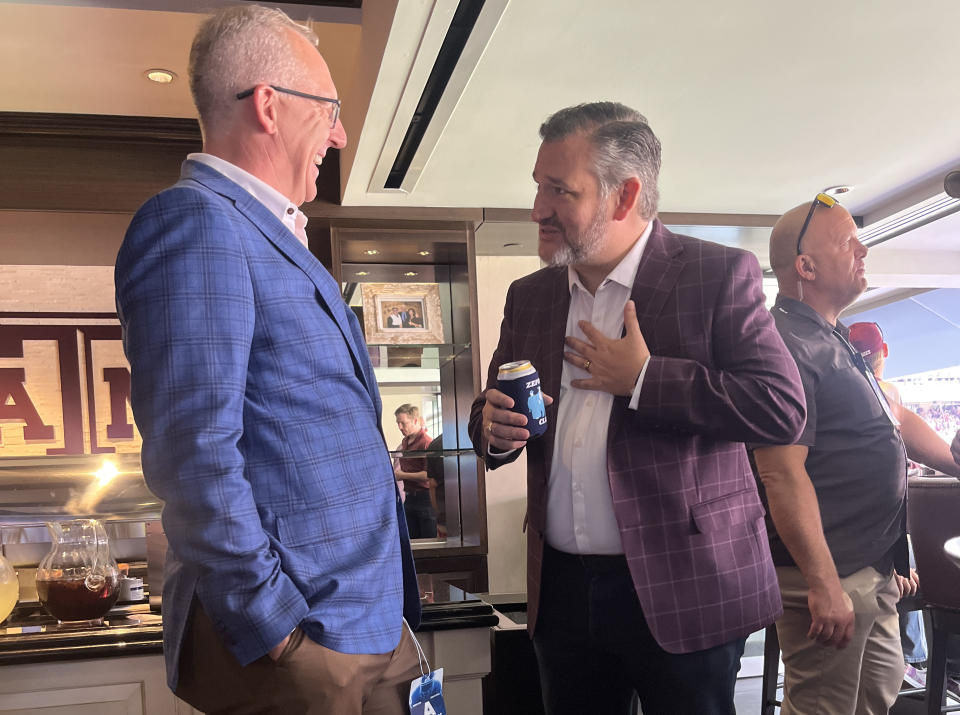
pixel 837 497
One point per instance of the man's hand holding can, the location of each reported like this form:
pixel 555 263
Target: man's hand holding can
pixel 503 429
pixel 507 423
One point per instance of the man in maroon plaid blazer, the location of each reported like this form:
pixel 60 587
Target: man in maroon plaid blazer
pixel 648 556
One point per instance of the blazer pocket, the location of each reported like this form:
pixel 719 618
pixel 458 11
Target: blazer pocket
pixel 726 511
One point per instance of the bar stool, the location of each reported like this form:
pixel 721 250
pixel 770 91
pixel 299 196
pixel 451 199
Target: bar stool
pixel 932 507
pixel 771 671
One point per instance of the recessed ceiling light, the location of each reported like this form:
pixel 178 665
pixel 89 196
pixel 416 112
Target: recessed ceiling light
pixel 838 190
pixel 160 76
pixel 362 273
pixel 410 273
pixel 424 253
pixel 371 251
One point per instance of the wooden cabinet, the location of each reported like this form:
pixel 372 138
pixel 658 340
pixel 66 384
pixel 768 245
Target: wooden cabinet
pixel 464 655
pixel 133 685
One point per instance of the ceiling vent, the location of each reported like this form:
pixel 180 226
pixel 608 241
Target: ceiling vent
pixel 453 42
pixel 913 217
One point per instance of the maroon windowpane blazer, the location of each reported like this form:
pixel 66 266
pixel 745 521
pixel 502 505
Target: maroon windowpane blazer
pixel 683 492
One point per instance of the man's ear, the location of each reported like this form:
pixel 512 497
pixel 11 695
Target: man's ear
pixel 627 197
pixel 266 101
pixel 804 267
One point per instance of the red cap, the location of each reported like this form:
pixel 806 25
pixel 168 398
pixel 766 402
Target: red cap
pixel 866 337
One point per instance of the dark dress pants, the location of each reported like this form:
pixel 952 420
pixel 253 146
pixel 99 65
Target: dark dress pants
pixel 594 648
pixel 421 516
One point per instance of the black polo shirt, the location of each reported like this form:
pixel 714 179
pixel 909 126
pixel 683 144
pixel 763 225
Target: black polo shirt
pixel 856 458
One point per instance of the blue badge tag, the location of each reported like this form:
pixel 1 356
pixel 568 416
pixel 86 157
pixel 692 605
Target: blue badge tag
pixel 426 694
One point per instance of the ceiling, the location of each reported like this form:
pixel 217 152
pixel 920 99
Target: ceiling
pixel 758 105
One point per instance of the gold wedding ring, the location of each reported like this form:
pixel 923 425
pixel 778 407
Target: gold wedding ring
pixel 489 427
pixel 586 366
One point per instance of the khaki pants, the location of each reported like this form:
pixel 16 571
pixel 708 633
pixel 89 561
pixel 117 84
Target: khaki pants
pixel 861 679
pixel 307 679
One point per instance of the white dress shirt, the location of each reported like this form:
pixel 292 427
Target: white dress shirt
pixel 276 203
pixel 580 517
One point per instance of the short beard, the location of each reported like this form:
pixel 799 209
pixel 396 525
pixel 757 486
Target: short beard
pixel 583 246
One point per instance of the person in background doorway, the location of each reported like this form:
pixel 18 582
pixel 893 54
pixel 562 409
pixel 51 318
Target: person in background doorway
pixel 412 471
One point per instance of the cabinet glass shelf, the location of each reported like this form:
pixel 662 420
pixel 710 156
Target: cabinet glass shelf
pixel 465 451
pixel 415 356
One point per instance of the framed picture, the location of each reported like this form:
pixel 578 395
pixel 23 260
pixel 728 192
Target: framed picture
pixel 402 313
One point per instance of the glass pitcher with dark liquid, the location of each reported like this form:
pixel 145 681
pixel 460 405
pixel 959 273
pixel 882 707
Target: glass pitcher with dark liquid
pixel 78 579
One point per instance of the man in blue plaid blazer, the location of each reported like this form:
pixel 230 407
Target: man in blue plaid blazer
pixel 289 569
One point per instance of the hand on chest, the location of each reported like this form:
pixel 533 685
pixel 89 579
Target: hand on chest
pixel 604 311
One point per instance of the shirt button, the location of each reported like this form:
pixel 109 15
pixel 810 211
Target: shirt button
pixel 290 210
pixel 578 442
pixel 578 531
pixel 589 402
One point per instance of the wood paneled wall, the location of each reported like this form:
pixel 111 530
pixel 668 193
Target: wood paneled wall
pixel 78 162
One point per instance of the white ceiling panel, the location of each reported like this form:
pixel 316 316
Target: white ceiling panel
pixel 758 104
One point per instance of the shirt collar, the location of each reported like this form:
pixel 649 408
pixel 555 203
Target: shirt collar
pixel 789 306
pixel 275 202
pixel 411 438
pixel 625 272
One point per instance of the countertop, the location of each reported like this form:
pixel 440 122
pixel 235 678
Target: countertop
pixel 32 636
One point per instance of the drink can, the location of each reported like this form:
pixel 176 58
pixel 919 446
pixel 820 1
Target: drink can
pixel 520 381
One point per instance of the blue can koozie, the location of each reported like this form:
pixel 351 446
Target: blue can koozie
pixel 520 381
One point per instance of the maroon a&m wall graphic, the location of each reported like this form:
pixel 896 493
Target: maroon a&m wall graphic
pixel 64 386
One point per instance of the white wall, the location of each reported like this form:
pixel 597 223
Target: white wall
pixel 507 486
pixel 56 289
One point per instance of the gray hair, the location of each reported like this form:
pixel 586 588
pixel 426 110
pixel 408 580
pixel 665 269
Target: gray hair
pixel 237 48
pixel 624 145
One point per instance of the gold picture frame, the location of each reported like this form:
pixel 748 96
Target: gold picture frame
pixel 402 313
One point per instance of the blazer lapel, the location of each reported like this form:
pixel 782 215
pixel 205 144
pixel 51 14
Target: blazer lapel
pixel 284 241
pixel 656 276
pixel 553 330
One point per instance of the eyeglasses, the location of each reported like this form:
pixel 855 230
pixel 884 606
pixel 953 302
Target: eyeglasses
pixel 820 199
pixel 335 114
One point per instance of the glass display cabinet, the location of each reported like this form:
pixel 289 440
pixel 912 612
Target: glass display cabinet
pixel 412 286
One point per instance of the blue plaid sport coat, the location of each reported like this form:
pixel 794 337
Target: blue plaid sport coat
pixel 260 418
